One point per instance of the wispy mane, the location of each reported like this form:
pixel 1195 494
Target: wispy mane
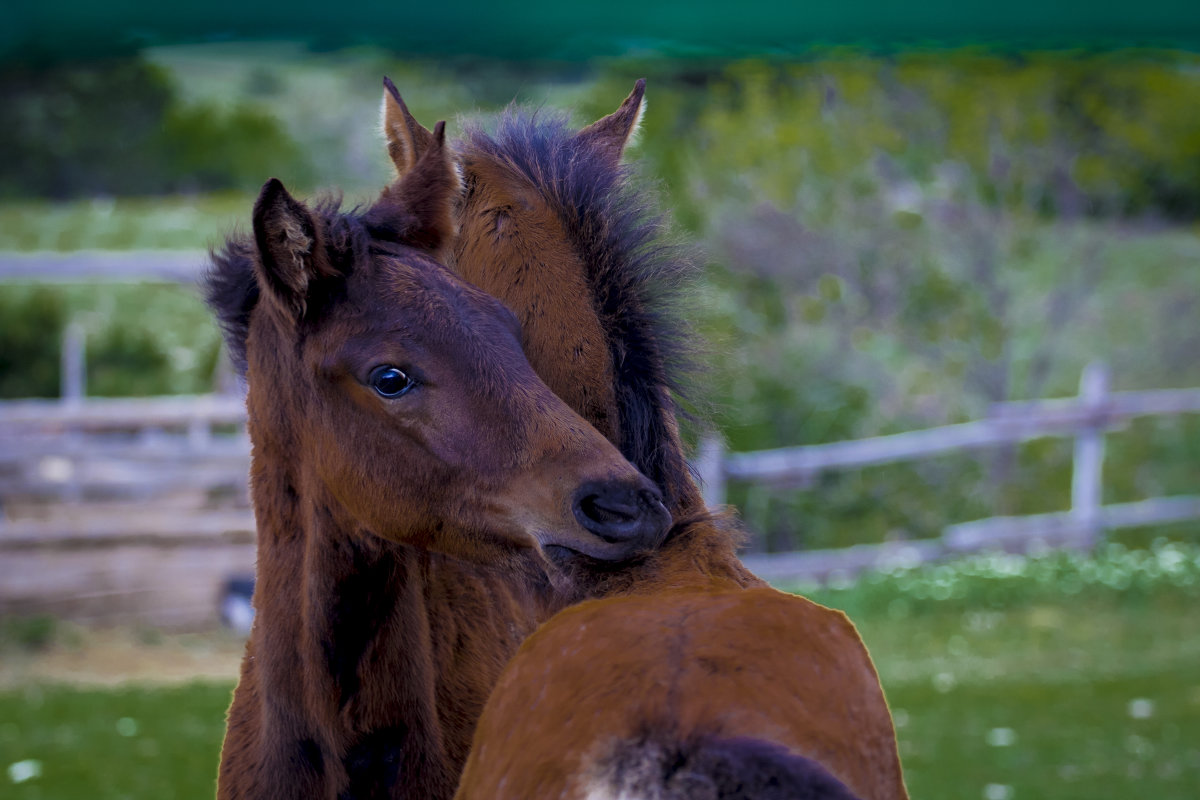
pixel 636 274
pixel 229 285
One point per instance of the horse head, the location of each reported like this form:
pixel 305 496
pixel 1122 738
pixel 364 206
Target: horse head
pixel 550 222
pixel 397 397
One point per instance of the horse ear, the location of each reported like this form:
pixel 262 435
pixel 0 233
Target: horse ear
pixel 426 194
pixel 407 139
pixel 289 247
pixel 611 134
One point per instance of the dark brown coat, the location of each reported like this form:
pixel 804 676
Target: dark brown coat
pixel 409 473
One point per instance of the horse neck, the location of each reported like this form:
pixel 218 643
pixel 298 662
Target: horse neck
pixel 514 246
pixel 329 598
pixel 525 260
pixel 365 647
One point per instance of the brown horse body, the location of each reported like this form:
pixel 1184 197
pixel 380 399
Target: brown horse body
pixel 377 643
pixel 688 695
pixel 766 689
pixel 409 472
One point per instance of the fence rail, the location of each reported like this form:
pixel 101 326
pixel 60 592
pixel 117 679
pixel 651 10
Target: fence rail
pixel 123 510
pixel 1087 418
pixel 133 413
pixel 168 266
pixel 140 450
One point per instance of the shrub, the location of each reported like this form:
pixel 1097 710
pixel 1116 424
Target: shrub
pixel 31 325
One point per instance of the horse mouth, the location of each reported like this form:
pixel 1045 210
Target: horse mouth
pixel 620 543
pixel 569 560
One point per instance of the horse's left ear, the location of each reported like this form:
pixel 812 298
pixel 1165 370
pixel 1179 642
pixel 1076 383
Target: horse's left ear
pixel 407 139
pixel 291 255
pixel 424 197
pixel 611 134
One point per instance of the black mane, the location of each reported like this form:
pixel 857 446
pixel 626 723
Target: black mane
pixel 231 290
pixel 636 275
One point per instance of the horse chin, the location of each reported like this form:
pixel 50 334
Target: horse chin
pixel 570 550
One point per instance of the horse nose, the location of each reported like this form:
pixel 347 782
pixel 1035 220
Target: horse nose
pixel 621 512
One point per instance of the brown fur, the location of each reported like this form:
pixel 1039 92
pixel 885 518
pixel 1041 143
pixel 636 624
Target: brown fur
pixel 552 225
pixel 622 697
pixel 621 673
pixel 400 540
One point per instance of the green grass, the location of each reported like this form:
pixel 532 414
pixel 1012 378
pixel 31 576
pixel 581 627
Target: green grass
pixel 1070 689
pixel 124 223
pixel 1064 700
pixel 1058 676
pixel 131 742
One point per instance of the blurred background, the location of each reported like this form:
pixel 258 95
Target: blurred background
pixel 976 223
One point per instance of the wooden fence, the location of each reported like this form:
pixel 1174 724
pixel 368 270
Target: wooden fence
pixel 123 510
pixel 1087 418
pixel 137 509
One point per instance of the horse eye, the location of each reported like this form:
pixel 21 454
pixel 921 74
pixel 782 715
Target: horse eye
pixel 389 381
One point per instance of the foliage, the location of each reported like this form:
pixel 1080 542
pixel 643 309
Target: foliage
pixel 897 241
pixel 27 633
pixel 140 339
pixel 116 128
pixel 903 241
pixel 177 222
pixel 31 328
pixel 999 580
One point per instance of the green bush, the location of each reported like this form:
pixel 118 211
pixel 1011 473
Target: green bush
pixel 1003 581
pixel 139 339
pixel 31 325
pixel 118 128
pixel 903 241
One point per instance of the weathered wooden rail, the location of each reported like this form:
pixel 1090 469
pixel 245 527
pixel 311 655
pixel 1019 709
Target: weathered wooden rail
pixel 137 509
pixel 123 510
pixel 1087 418
pixel 173 266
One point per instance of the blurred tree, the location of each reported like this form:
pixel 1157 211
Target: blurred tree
pixel 127 362
pixel 906 233
pixel 117 128
pixel 31 325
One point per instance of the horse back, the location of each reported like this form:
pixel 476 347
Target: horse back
pixel 681 673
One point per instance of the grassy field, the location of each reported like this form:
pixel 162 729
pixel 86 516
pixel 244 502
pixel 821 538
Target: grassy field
pixel 1056 701
pixel 1076 689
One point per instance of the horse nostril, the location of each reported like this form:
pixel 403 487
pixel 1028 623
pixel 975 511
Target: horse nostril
pixel 605 512
pixel 618 512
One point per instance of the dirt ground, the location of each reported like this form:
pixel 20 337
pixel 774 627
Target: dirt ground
pixel 108 657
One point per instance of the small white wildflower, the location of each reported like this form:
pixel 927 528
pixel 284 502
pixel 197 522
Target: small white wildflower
pixel 944 682
pixel 21 771
pixel 1001 737
pixel 1141 708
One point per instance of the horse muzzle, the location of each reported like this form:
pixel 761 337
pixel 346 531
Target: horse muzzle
pixel 619 520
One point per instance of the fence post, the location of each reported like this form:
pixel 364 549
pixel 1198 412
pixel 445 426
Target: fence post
pixel 73 380
pixel 710 464
pixel 1086 477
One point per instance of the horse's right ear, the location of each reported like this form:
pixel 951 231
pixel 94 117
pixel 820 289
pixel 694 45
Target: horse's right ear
pixel 407 139
pixel 424 198
pixel 290 251
pixel 610 135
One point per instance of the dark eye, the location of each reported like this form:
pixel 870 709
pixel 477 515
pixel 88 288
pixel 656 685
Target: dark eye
pixel 390 381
